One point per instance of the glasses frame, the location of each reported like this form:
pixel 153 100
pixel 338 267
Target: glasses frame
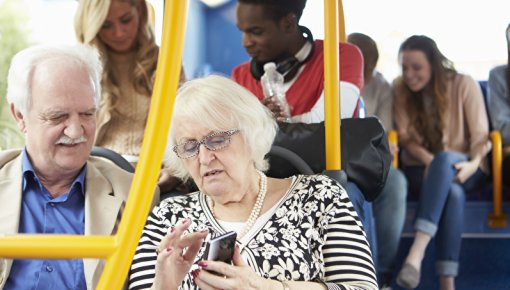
pixel 229 134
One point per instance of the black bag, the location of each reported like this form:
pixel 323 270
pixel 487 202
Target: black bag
pixel 365 151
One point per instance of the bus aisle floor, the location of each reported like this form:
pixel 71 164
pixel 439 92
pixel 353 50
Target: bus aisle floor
pixel 484 256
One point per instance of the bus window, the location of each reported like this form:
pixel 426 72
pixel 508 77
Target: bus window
pixel 471 34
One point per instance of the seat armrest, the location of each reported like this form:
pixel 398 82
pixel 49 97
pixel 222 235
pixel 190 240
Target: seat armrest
pixel 393 140
pixel 497 219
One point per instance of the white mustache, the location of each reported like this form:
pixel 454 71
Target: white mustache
pixel 70 141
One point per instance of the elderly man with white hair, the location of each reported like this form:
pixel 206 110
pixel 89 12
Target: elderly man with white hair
pixel 53 185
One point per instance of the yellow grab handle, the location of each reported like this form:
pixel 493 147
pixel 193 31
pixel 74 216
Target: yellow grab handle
pixel 118 250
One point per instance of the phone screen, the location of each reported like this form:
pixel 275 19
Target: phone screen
pixel 221 248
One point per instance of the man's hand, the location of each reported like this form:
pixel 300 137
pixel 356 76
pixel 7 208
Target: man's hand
pixel 273 105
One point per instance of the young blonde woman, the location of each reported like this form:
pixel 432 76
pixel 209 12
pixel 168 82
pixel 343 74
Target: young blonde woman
pixel 121 31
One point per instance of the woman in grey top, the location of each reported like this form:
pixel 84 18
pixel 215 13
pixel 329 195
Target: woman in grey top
pixel 498 99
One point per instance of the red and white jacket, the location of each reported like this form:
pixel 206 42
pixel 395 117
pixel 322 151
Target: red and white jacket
pixel 306 94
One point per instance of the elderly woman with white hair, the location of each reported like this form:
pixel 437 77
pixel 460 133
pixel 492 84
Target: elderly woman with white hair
pixel 295 233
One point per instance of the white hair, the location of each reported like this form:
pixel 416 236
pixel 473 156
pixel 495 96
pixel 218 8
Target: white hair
pixel 19 80
pixel 221 104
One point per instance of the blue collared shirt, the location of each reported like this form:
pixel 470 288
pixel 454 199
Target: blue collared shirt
pixel 41 213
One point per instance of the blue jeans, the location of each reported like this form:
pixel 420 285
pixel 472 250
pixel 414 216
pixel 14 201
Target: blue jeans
pixel 362 207
pixel 441 207
pixel 389 214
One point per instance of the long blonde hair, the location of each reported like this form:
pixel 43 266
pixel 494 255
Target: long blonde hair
pixel 89 19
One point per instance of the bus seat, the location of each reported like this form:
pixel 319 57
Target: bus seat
pixel 113 156
pixel 366 159
pixel 279 155
pixel 361 110
pixel 497 219
pixel 483 88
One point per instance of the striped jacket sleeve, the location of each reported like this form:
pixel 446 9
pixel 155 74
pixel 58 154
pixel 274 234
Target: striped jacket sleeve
pixel 347 256
pixel 143 268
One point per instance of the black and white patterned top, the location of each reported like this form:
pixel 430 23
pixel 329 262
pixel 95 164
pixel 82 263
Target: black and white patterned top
pixel 313 235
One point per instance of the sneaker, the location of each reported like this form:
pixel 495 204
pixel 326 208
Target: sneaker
pixel 385 287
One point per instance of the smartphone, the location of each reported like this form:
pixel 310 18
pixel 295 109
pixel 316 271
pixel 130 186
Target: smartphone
pixel 221 248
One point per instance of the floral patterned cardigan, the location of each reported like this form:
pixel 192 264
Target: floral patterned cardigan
pixel 313 234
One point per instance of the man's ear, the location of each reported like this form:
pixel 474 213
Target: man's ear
pixel 20 119
pixel 289 23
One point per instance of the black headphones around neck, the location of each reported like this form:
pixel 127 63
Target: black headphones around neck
pixel 286 64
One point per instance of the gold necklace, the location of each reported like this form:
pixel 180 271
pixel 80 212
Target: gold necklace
pixel 257 207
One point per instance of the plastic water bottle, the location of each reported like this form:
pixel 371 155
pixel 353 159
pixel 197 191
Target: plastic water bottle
pixel 272 86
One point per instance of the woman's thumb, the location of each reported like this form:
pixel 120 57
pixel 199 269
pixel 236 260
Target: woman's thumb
pixel 236 258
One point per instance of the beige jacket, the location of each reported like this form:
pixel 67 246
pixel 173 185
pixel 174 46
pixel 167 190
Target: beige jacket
pixel 466 129
pixel 107 188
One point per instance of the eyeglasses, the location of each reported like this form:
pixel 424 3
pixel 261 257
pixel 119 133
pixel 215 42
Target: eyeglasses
pixel 213 142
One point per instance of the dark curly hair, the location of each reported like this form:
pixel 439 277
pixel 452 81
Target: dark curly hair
pixel 277 9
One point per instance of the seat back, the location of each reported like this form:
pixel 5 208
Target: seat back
pixel 365 151
pixel 112 156
pixel 483 88
pixel 285 163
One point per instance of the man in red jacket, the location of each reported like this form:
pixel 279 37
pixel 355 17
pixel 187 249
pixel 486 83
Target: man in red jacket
pixel 271 32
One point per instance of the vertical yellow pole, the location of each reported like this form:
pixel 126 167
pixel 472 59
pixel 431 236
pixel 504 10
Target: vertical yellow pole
pixel 331 86
pixel 497 219
pixel 342 36
pixel 158 123
pixel 393 140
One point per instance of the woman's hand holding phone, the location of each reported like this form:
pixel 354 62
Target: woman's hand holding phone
pixel 221 248
pixel 176 254
pixel 238 275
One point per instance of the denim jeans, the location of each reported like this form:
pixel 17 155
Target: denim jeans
pixel 441 206
pixel 389 214
pixel 363 209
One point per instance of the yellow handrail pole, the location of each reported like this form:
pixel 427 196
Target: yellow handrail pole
pixel 331 87
pixel 393 140
pixel 56 246
pixel 153 147
pixel 342 36
pixel 497 218
pixel 497 157
pixel 119 249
